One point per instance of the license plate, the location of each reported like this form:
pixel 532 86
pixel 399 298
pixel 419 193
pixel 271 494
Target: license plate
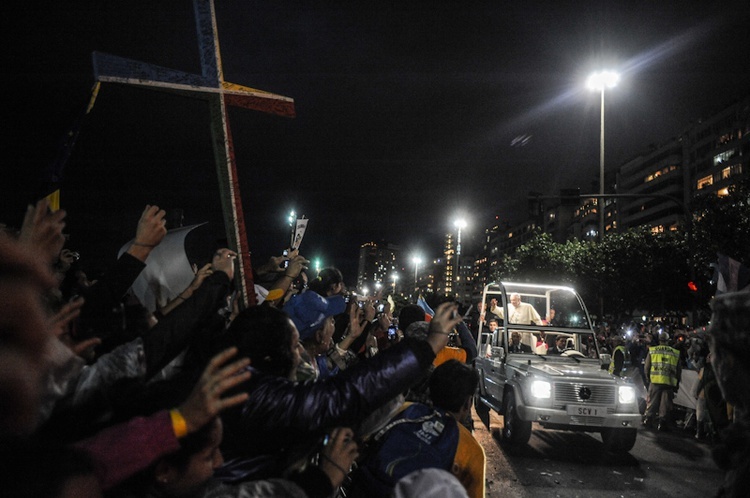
pixel 587 411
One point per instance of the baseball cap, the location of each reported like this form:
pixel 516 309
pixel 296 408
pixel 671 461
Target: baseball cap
pixel 309 310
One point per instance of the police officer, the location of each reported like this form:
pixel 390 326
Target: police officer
pixel 664 370
pixel 620 357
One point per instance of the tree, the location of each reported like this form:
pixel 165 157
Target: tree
pixel 634 270
pixel 722 225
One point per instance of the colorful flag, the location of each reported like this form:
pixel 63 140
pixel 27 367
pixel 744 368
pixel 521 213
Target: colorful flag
pixel 426 307
pixel 731 275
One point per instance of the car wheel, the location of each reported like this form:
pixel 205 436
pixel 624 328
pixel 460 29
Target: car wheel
pixel 619 440
pixel 515 430
pixel 483 411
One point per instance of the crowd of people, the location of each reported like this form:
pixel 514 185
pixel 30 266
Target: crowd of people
pixel 305 394
pixel 312 392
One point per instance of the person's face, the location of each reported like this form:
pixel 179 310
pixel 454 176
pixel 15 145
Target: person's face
pixel 515 338
pixel 551 314
pixel 515 300
pixel 493 326
pixel 295 349
pixel 200 467
pixel 560 343
pixel 336 289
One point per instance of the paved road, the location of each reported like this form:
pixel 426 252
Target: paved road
pixel 567 464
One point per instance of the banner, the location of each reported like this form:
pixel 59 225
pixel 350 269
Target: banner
pixel 168 271
pixel 299 232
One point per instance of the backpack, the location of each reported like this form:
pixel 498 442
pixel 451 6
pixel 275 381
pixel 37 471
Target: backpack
pixel 420 437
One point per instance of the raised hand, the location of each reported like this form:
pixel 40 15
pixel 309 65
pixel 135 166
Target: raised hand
pixel 338 455
pixel 59 325
pixel 41 231
pixel 356 326
pixel 205 401
pixel 200 276
pixel 151 229
pixel 369 309
pixel 297 264
pixel 443 322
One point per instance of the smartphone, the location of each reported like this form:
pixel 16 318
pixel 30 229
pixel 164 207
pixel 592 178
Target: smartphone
pixel 392 332
pixel 381 308
pixel 286 261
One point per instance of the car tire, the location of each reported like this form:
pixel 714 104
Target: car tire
pixel 515 431
pixel 619 440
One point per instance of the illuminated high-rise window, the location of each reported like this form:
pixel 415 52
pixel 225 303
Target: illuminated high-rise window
pixel 704 182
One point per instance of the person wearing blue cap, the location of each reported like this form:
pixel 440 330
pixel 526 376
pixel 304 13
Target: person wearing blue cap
pixel 283 420
pixel 313 314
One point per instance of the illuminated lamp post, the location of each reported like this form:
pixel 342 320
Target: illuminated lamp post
pixel 598 82
pixel 459 224
pixel 416 260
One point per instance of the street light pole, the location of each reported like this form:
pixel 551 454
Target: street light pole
pixel 460 223
pixel 416 262
pixel 598 82
pixel 601 173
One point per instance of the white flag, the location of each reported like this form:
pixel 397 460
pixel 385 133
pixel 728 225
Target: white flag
pixel 299 232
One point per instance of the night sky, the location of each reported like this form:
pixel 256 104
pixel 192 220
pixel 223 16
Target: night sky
pixel 409 114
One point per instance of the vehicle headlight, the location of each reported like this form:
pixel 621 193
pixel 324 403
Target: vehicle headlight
pixel 541 389
pixel 626 394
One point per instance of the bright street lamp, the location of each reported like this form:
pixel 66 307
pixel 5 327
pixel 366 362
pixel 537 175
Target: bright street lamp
pixel 416 260
pixel 598 82
pixel 459 224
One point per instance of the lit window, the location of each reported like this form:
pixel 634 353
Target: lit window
pixel 724 156
pixel 723 192
pixel 704 182
pixel 725 173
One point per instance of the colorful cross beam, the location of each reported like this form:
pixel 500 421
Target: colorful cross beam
pixel 210 86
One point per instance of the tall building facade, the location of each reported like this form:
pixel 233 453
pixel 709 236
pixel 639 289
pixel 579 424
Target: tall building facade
pixel 706 159
pixel 718 150
pixel 657 175
pixel 377 266
pixel 446 283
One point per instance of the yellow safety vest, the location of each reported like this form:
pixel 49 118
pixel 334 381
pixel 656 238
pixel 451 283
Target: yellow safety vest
pixel 625 360
pixel 664 361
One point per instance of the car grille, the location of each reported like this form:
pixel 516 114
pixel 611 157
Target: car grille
pixel 566 393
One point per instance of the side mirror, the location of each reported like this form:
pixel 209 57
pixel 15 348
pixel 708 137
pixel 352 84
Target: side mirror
pixel 604 360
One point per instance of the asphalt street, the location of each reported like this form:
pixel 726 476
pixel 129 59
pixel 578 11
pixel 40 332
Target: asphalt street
pixel 570 464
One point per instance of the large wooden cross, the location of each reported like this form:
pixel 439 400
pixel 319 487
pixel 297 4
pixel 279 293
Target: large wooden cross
pixel 211 86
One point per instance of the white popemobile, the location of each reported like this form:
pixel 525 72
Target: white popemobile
pixel 570 390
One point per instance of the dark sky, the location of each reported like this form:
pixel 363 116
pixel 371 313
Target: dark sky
pixel 406 111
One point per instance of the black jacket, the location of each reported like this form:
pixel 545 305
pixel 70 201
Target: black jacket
pixel 282 421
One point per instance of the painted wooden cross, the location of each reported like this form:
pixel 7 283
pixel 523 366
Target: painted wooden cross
pixel 211 86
